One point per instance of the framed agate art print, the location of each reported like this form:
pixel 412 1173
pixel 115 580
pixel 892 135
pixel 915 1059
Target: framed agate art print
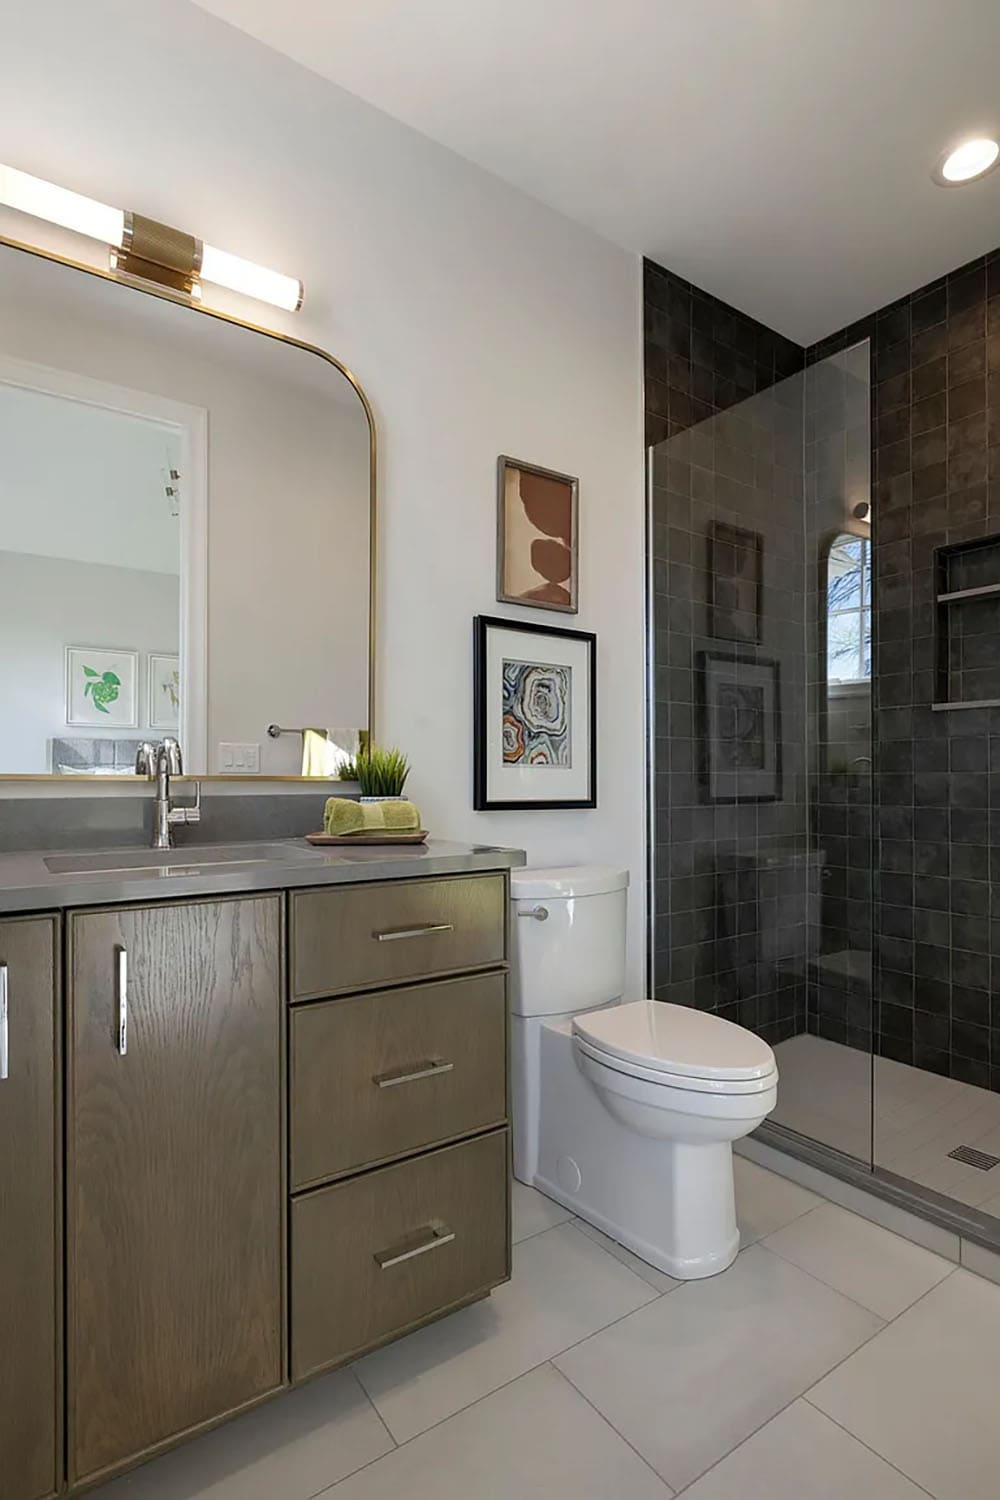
pixel 537 544
pixel 535 730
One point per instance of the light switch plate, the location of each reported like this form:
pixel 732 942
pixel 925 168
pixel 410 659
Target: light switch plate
pixel 239 759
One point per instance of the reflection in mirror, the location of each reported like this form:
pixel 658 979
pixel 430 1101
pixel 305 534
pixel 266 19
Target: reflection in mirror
pixel 89 577
pixel 849 653
pixel 185 535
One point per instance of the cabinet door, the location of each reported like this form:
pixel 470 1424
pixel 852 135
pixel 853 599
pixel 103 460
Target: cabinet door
pixel 174 1172
pixel 29 1208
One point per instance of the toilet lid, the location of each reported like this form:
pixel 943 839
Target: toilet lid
pixel 676 1039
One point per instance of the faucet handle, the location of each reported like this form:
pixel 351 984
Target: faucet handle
pixel 145 764
pixel 171 751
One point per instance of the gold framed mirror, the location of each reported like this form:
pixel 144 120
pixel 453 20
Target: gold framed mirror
pixel 188 534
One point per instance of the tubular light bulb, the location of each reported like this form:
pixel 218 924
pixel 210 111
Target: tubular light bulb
pixel 43 200
pixel 243 276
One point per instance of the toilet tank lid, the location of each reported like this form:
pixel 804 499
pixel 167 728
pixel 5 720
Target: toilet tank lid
pixel 556 882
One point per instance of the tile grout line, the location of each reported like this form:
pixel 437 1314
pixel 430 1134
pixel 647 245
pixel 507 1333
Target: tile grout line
pixel 530 1369
pixel 371 1403
pixel 611 1426
pixel 801 1395
pixel 953 1265
pixel 881 1456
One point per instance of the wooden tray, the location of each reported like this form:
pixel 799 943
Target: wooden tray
pixel 371 836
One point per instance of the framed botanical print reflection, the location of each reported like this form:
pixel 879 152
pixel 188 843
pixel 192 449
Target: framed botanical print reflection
pixel 535 729
pixel 537 543
pixel 741 727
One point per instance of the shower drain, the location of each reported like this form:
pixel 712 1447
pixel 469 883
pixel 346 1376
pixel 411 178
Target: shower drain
pixel 973 1158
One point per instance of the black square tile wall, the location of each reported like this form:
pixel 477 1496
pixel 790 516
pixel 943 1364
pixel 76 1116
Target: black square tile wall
pixel 936 458
pixel 702 356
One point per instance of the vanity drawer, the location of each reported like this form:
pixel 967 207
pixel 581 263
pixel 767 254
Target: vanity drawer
pixel 367 936
pixel 380 1075
pixel 378 1254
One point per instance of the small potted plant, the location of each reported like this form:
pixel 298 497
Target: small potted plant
pixel 380 773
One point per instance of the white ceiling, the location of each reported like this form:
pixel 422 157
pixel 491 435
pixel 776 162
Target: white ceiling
pixel 775 152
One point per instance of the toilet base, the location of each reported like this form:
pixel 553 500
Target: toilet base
pixel 670 1202
pixel 709 1262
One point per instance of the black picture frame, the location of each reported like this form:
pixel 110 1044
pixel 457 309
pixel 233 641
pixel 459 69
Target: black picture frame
pixel 736 583
pixel 482 801
pixel 724 779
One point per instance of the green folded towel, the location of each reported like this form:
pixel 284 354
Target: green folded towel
pixel 343 816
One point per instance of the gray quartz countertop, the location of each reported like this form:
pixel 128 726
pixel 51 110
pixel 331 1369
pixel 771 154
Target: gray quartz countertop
pixel 41 881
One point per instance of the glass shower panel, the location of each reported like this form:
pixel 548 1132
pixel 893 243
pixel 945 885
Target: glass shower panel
pixel 761 833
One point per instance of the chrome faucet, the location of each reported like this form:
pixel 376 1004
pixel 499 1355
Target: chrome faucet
pixel 163 761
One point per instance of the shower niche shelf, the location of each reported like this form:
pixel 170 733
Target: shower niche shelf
pixel 967 625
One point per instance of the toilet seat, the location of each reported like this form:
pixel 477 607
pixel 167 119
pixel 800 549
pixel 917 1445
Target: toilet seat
pixel 677 1047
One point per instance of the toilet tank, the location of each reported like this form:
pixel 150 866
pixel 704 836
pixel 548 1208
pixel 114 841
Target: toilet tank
pixel 568 938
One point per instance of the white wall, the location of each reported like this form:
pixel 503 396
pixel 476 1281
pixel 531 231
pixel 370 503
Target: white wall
pixel 479 322
pixel 85 482
pixel 49 603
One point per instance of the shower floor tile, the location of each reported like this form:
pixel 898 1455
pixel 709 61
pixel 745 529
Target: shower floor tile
pixel 825 1092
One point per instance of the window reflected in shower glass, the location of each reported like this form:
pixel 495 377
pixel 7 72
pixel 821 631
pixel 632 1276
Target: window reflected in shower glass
pixel 849 610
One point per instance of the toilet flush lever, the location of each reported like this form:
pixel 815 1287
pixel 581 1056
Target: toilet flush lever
pixel 540 913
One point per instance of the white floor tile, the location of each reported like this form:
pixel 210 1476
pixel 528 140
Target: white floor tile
pixel 564 1288
pixel 693 1374
pixel 657 1279
pixel 765 1201
pixel 924 1392
pixel 535 1440
pixel 293 1447
pixel 880 1270
pixel 802 1455
pixel 533 1212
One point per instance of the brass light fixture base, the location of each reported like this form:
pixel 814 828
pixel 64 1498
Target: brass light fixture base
pixel 152 251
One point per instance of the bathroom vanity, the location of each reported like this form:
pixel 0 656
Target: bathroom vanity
pixel 272 1094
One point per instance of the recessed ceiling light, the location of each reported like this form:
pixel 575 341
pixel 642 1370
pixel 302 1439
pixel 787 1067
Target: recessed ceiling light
pixel 969 160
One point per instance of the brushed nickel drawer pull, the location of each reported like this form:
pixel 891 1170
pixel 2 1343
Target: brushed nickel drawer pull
pixel 430 1238
pixel 122 1031
pixel 393 934
pixel 4 1053
pixel 431 1067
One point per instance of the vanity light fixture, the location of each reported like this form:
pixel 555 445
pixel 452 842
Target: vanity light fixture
pixel 964 163
pixel 145 248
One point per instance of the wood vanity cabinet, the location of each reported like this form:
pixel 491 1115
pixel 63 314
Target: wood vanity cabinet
pixel 30 1209
pixel 211 1188
pixel 175 1172
pixel 398 1108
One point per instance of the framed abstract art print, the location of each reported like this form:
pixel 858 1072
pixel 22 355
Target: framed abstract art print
pixel 535 716
pixel 537 545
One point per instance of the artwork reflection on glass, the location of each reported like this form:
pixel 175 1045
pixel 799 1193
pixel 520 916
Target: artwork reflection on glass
pixel 736 582
pixel 740 728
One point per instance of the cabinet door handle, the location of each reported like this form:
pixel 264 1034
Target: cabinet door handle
pixel 394 934
pixel 431 1067
pixel 122 1040
pixel 4 1036
pixel 431 1237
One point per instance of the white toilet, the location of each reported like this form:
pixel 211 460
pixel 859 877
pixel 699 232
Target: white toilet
pixel 625 1113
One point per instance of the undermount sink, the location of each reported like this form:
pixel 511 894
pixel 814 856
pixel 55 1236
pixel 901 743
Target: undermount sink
pixel 170 861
